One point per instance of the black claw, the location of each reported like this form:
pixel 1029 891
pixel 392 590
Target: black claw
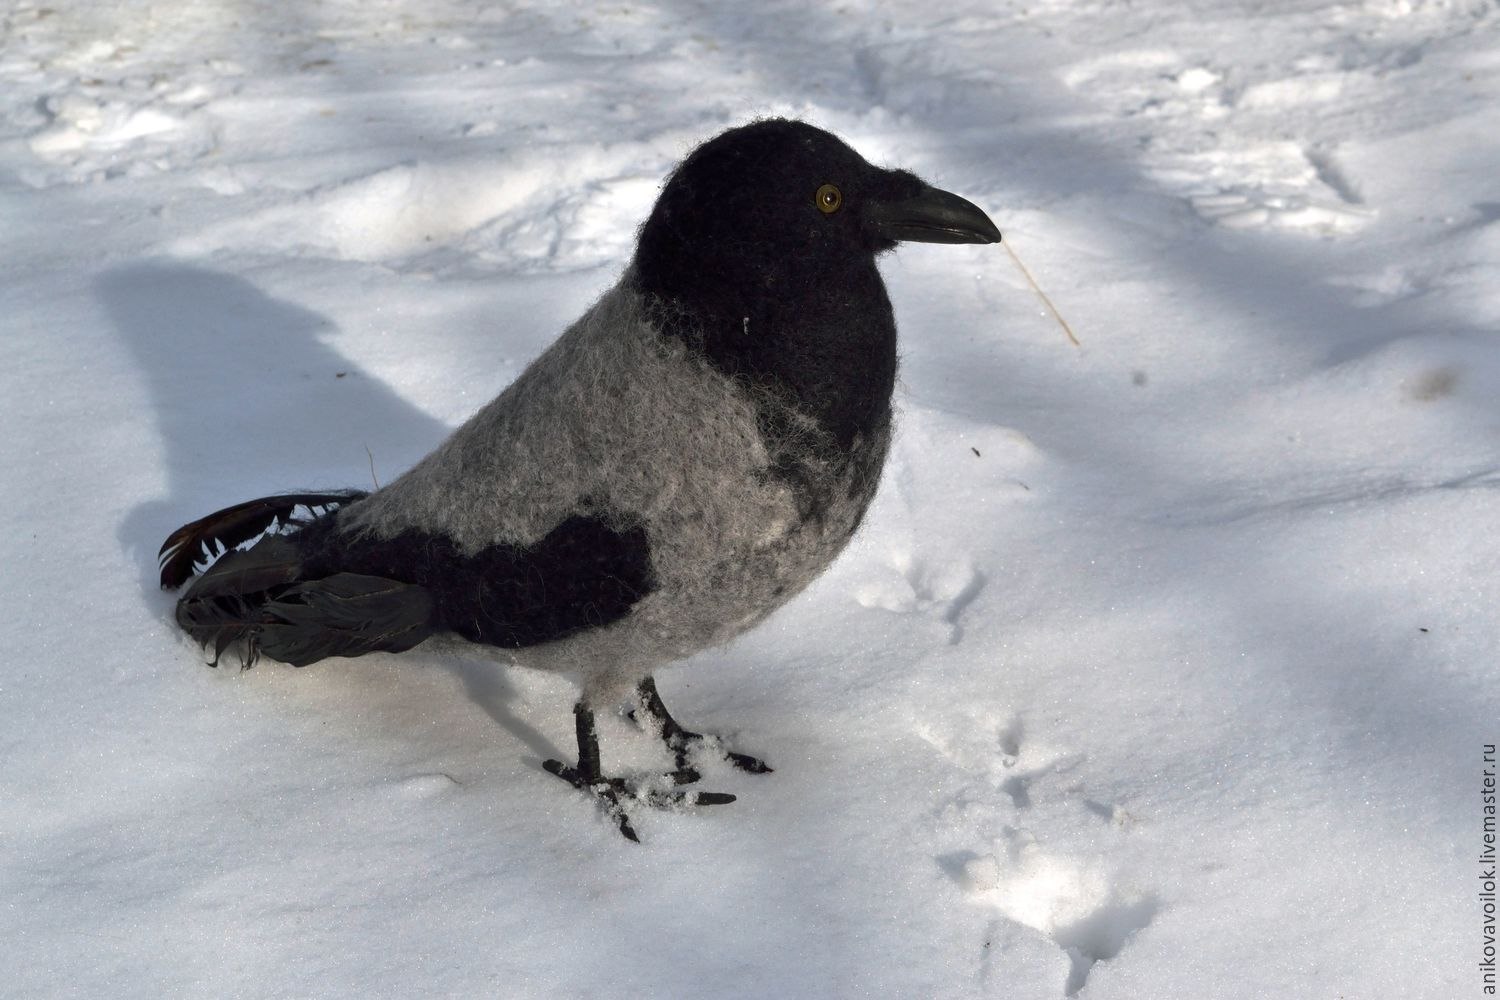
pixel 712 798
pixel 745 762
pixel 675 799
pixel 626 830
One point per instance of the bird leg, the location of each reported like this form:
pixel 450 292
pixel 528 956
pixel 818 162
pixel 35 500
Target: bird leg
pixel 682 741
pixel 589 777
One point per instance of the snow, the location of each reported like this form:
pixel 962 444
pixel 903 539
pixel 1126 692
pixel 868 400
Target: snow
pixel 1162 667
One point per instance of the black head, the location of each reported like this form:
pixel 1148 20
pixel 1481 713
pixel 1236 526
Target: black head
pixel 761 250
pixel 777 196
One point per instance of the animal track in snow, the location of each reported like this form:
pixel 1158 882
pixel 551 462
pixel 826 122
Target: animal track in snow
pixel 943 591
pixel 1278 184
pixel 1248 175
pixel 1085 909
pixel 1004 758
pixel 98 109
pixel 88 136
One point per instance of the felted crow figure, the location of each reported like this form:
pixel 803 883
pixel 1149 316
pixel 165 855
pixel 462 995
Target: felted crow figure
pixel 690 454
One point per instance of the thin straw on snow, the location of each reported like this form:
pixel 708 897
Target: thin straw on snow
pixel 1041 294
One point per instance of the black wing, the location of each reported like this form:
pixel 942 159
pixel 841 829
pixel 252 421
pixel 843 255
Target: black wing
pixel 315 592
pixel 585 573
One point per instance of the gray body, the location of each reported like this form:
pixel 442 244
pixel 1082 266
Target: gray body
pixel 617 420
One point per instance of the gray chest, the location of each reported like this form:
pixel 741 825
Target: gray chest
pixel 761 541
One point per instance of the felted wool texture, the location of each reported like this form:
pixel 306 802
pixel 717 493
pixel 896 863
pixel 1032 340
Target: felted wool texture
pixel 618 422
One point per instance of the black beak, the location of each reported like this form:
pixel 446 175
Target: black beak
pixel 934 216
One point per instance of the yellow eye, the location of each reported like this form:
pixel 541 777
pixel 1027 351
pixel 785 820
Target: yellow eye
pixel 828 199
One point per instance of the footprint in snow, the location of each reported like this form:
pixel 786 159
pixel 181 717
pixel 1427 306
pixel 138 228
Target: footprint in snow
pixel 1233 178
pixel 1086 913
pixel 1077 903
pixel 940 591
pixel 98 108
pixel 1272 184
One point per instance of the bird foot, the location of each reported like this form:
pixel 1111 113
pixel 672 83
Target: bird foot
pixel 613 793
pixel 684 743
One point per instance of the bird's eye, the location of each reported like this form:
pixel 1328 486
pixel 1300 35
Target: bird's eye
pixel 828 199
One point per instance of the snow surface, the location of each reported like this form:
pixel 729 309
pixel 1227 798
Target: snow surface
pixel 1161 669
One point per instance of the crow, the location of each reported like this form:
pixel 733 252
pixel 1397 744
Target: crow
pixel 692 452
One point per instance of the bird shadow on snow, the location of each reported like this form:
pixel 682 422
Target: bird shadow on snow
pixel 251 399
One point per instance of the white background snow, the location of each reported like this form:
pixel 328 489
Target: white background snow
pixel 1161 669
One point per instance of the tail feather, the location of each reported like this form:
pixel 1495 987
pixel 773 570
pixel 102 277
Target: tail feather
pixel 232 526
pixel 274 561
pixel 221 622
pixel 262 596
pixel 346 614
pixel 224 604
